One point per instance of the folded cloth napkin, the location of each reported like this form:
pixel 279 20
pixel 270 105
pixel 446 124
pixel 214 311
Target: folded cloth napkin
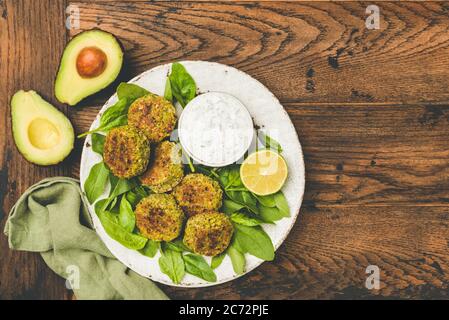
pixel 52 218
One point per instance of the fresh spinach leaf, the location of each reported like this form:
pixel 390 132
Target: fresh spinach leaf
pixel 134 196
pixel 267 201
pixel 230 206
pixel 98 143
pixel 270 214
pixel 237 259
pixel 96 182
pixel 118 187
pixel 183 87
pixel 269 143
pixel 177 245
pixel 197 266
pixel 234 178
pixel 255 241
pixel 130 91
pixel 110 116
pixel 99 205
pixel 150 249
pixel 115 116
pixel 127 218
pixel 122 186
pixel 167 92
pixel 172 264
pixel 281 204
pixel 217 260
pixel 243 219
pixel 244 198
pixel 118 233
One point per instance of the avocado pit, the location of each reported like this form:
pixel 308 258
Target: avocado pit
pixel 91 62
pixel 43 134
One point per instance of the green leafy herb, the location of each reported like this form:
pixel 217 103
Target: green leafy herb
pixel 269 142
pixel 182 85
pixel 167 92
pixel 118 233
pixel 237 259
pixel 211 172
pixel 150 248
pixel 246 220
pixel 134 196
pixel 117 114
pixel 244 198
pixel 217 260
pixel 126 217
pixel 114 116
pixel 230 206
pixel 281 204
pixel 270 214
pixel 172 264
pixel 98 143
pixel 177 245
pixel 197 266
pixel 96 182
pixel 130 91
pixel 122 186
pixel 267 201
pixel 255 241
pixel 118 187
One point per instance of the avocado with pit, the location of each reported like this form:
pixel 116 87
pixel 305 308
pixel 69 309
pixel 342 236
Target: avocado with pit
pixel 91 61
pixel 42 133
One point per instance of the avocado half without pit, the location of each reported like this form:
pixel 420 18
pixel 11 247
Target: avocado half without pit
pixel 42 133
pixel 91 61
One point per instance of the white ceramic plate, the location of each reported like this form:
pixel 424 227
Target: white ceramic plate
pixel 267 113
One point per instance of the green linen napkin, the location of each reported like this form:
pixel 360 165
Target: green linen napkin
pixel 51 218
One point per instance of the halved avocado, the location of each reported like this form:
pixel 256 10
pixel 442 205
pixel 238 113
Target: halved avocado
pixel 42 133
pixel 91 61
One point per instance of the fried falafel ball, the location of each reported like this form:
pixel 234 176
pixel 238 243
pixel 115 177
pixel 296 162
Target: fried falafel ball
pixel 208 233
pixel 165 170
pixel 159 218
pixel 154 116
pixel 198 193
pixel 126 152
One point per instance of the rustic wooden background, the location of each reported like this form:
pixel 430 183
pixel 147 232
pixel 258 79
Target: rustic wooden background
pixel 370 107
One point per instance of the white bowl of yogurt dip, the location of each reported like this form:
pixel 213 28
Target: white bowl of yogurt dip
pixel 215 129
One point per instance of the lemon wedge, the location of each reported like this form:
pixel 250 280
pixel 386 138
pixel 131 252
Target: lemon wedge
pixel 264 172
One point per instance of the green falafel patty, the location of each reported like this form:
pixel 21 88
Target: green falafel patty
pixel 165 171
pixel 159 218
pixel 154 116
pixel 198 193
pixel 126 152
pixel 208 233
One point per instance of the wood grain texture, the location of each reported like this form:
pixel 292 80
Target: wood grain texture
pixel 280 43
pixel 33 37
pixel 371 109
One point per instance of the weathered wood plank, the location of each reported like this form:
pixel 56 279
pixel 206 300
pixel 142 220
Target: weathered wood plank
pixel 284 43
pixel 33 37
pixel 377 170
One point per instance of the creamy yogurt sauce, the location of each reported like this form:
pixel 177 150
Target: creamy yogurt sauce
pixel 215 129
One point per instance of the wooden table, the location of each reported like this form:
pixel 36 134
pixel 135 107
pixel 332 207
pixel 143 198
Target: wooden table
pixel 370 107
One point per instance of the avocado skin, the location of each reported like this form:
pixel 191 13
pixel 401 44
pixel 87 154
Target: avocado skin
pixel 106 84
pixel 27 106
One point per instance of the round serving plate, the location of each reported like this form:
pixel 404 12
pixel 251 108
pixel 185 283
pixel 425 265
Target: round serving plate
pixel 267 113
